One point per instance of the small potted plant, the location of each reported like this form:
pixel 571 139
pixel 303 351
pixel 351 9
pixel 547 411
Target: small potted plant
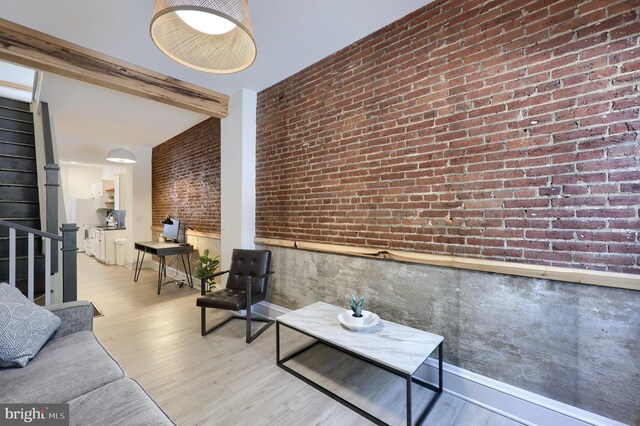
pixel 355 303
pixel 206 267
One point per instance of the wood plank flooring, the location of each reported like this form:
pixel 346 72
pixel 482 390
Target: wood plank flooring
pixel 220 380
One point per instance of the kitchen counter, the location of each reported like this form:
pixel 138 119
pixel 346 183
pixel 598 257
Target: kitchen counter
pixel 106 228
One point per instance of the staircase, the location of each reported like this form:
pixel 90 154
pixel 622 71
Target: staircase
pixel 19 202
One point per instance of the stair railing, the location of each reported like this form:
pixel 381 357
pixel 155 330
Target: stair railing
pixel 69 248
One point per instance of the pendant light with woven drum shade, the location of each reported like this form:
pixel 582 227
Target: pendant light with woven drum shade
pixel 214 36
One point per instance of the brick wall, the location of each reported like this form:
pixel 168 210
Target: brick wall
pixel 505 130
pixel 186 177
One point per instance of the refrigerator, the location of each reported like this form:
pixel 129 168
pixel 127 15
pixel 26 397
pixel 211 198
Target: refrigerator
pixel 83 212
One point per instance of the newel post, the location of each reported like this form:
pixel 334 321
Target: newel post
pixel 69 262
pixel 52 172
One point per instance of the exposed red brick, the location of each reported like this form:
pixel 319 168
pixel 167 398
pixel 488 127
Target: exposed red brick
pixel 504 130
pixel 185 177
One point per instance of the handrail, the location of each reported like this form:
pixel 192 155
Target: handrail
pixel 30 230
pixel 69 249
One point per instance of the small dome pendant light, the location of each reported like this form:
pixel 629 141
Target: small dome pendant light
pixel 121 155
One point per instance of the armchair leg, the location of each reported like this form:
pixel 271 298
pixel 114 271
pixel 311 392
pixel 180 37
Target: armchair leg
pixel 204 330
pixel 249 337
pixel 203 321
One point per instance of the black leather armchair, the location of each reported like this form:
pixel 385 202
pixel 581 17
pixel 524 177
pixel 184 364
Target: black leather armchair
pixel 246 285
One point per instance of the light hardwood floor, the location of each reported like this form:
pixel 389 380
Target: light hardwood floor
pixel 220 380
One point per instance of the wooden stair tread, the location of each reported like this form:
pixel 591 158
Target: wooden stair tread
pixel 18 170
pixel 26 145
pixel 22 157
pixel 3 117
pixel 19 185
pixel 16 131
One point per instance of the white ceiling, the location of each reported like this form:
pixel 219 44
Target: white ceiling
pixel 84 111
pixel 290 34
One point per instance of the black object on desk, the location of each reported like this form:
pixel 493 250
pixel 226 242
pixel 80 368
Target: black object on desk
pixel 163 249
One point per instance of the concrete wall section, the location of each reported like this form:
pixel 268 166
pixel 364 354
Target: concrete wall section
pixel 577 344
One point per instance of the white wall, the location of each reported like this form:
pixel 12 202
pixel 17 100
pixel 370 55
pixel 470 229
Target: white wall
pixel 109 172
pixel 238 175
pixel 76 180
pixel 19 75
pixel 138 201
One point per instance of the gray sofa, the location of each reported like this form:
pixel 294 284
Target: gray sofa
pixel 74 368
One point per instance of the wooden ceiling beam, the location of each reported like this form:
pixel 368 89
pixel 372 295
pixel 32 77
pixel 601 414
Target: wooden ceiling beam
pixel 27 47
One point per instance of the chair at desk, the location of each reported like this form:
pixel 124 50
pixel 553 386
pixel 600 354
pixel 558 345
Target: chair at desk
pixel 246 285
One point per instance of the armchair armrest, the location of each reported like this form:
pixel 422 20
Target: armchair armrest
pixel 258 277
pixel 217 274
pixel 249 280
pixel 203 281
pixel 75 316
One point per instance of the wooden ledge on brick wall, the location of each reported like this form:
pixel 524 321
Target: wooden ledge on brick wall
pixel 572 275
pixel 192 233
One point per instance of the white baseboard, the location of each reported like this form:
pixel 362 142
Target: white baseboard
pixel 507 400
pixel 269 310
pixel 151 264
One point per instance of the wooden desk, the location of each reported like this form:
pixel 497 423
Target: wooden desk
pixel 163 249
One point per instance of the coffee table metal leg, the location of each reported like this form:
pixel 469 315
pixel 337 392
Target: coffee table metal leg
pixel 409 381
pixel 440 367
pixel 437 390
pixel 409 378
pixel 277 343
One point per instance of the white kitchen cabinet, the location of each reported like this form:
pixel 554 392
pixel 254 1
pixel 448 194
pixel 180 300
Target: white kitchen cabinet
pixel 100 255
pixel 103 194
pixel 93 241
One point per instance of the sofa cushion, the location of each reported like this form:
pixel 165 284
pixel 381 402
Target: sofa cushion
pixel 24 327
pixel 64 369
pixel 123 402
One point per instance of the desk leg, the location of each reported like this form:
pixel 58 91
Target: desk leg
pixel 189 277
pixel 136 272
pixel 184 265
pixel 160 268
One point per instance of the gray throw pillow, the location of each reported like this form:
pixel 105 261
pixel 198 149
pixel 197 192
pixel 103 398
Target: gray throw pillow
pixel 24 327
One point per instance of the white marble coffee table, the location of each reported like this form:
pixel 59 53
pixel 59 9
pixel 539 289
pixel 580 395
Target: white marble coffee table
pixel 393 347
